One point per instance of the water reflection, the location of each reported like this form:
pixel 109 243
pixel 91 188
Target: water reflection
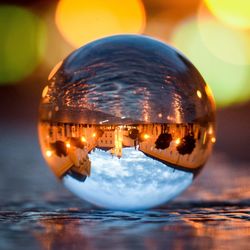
pixel 178 228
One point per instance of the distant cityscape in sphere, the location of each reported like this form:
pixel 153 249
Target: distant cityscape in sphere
pixel 126 122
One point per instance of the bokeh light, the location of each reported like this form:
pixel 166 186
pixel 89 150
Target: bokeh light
pixel 82 21
pixel 22 43
pixel 228 44
pixel 228 81
pixel 232 12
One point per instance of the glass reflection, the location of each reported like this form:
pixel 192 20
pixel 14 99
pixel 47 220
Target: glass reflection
pixel 124 164
pixel 67 146
pixel 126 122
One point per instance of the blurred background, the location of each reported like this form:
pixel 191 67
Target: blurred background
pixel 37 35
pixel 214 35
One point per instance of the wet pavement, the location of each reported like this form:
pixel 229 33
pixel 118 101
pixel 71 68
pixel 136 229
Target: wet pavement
pixel 36 212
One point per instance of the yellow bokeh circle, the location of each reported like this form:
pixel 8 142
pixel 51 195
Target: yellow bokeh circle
pixel 232 12
pixel 227 80
pixel 82 21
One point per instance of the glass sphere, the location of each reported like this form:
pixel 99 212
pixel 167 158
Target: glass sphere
pixel 126 122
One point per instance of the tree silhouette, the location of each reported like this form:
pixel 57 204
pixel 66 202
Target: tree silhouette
pixel 163 141
pixel 59 147
pixel 186 145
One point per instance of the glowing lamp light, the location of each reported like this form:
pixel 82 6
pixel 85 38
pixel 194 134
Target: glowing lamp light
pixel 177 141
pixel 83 139
pixel 210 130
pixel 199 94
pixel 228 81
pixel 94 135
pixel 146 136
pixel 213 139
pixel 232 12
pixel 82 21
pixel 22 43
pixel 48 153
pixel 68 145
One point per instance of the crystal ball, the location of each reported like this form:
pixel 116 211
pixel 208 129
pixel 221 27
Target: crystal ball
pixel 126 122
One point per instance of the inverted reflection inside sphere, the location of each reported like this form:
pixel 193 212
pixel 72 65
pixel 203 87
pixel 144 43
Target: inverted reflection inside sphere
pixel 126 122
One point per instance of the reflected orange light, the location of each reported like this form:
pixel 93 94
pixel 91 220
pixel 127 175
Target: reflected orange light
pixel 83 139
pixel 204 138
pixel 177 141
pixel 48 153
pixel 210 130
pixel 45 91
pixel 213 139
pixel 82 21
pixel 199 94
pixel 210 95
pixel 54 70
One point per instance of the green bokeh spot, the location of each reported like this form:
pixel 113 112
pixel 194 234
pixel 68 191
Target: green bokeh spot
pixel 228 81
pixel 22 43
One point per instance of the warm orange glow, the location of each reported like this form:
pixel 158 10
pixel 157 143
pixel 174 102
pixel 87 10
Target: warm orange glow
pixel 54 70
pixel 177 141
pixel 94 135
pixel 68 145
pixel 210 95
pixel 115 138
pixel 204 138
pixel 213 139
pixel 160 115
pixel 82 21
pixel 48 153
pixel 210 130
pixel 45 91
pixel 199 94
pixel 83 139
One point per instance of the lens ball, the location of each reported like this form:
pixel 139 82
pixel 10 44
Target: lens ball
pixel 126 122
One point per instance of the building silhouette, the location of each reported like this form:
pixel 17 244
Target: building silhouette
pixel 66 145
